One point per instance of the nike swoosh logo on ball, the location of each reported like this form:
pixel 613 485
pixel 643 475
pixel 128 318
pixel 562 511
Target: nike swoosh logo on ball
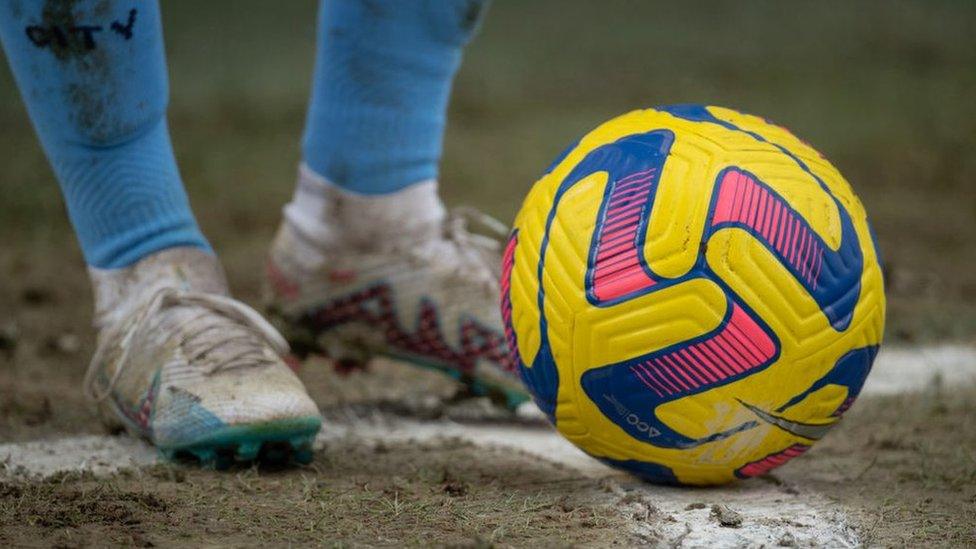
pixel 812 431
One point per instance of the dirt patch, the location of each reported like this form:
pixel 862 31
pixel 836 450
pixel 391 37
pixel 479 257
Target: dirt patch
pixel 45 345
pixel 443 492
pixel 898 471
pixel 904 465
pixel 726 517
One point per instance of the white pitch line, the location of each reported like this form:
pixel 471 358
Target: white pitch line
pixel 911 369
pixel 770 515
pixel 99 454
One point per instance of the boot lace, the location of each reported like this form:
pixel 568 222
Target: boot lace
pixel 478 240
pixel 201 335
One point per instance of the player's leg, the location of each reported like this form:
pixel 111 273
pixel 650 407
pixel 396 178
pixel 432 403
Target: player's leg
pixel 178 361
pixel 367 259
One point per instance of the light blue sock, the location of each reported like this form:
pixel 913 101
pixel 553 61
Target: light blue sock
pixel 382 81
pixel 93 76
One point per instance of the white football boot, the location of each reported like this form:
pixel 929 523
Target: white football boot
pixel 352 276
pixel 197 373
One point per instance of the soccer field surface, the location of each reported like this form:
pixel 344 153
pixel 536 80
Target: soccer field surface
pixel 405 466
pixel 883 89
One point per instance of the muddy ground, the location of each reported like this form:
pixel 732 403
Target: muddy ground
pixel 446 492
pixel 902 467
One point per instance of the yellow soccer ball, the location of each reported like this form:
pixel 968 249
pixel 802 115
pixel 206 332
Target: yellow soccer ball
pixel 692 294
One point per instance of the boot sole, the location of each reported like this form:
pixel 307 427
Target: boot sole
pixel 277 443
